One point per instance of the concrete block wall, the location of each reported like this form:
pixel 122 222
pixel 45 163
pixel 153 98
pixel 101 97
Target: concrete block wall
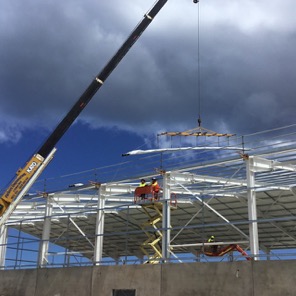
pixel 205 279
pixel 244 278
pixel 274 278
pixel 18 282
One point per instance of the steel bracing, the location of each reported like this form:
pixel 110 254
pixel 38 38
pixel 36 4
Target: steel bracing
pixel 241 198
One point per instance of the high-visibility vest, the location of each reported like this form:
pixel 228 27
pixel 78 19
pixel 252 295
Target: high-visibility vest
pixel 142 184
pixel 155 186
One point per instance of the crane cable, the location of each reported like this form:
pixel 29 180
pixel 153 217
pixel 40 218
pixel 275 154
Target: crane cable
pixel 198 65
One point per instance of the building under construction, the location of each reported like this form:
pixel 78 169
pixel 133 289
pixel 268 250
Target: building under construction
pixel 245 198
pixel 222 221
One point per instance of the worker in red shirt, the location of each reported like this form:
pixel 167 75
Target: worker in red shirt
pixel 155 188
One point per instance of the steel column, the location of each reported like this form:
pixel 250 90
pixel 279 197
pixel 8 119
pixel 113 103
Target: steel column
pixel 44 243
pixel 3 245
pixel 252 209
pixel 166 219
pixel 98 252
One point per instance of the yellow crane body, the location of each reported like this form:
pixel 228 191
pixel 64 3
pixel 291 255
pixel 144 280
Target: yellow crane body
pixel 23 175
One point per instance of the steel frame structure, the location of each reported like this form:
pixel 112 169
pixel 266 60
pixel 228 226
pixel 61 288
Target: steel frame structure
pixel 243 199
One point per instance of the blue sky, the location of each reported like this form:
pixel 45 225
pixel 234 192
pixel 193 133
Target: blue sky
pixel 51 50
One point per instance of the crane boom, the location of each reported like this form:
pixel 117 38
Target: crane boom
pixel 99 80
pixel 25 174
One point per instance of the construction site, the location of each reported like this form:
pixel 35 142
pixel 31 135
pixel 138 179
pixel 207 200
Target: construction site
pixel 213 215
pixel 246 200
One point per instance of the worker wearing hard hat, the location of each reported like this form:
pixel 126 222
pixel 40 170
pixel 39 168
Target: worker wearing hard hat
pixel 143 184
pixel 155 188
pixel 211 239
pixel 214 248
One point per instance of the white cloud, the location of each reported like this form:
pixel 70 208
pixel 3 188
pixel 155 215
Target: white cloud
pixel 10 129
pixel 52 51
pixel 250 16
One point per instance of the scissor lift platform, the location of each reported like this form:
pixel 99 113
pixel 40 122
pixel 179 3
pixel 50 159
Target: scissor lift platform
pixel 153 207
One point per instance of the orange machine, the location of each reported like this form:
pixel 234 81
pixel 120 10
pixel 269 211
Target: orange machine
pixel 221 251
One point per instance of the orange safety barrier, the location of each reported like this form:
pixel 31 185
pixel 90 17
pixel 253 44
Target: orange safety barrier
pixel 145 193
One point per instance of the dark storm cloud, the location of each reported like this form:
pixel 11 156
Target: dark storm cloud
pixel 51 50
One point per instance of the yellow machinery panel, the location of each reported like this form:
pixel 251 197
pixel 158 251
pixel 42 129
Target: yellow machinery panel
pixel 23 175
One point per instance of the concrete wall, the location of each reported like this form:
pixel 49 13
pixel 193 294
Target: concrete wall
pixel 245 278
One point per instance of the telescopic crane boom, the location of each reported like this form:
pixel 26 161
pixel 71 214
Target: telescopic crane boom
pixel 34 166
